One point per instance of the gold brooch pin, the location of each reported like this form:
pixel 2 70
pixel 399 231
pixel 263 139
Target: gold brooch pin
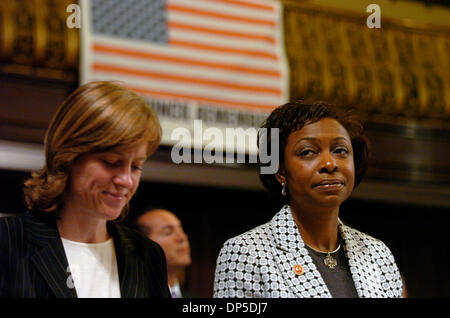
pixel 298 269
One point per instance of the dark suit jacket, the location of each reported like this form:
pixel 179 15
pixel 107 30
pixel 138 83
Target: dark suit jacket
pixel 33 262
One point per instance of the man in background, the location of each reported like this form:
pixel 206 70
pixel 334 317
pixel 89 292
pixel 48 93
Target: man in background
pixel 164 227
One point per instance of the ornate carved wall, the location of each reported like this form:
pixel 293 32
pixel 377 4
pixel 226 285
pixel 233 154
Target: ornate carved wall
pixel 396 74
pixel 35 41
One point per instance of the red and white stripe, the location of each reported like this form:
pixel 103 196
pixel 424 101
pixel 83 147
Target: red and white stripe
pixel 226 53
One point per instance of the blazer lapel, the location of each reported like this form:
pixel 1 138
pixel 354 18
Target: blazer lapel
pixel 49 257
pixel 291 251
pixel 365 272
pixel 129 266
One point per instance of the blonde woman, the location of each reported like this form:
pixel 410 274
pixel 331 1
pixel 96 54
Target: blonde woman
pixel 70 243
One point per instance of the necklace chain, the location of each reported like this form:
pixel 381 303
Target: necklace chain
pixel 337 249
pixel 329 260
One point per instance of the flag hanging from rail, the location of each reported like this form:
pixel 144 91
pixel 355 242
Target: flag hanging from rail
pixel 221 61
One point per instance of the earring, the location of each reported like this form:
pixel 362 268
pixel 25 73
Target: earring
pixel 283 190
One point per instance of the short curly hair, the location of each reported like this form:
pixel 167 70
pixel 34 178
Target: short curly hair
pixel 293 116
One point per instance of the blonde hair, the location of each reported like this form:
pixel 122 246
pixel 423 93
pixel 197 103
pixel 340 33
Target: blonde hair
pixel 98 116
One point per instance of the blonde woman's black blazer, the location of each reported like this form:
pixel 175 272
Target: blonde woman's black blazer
pixel 33 261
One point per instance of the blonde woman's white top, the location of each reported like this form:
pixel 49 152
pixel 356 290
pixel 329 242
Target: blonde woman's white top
pixel 93 268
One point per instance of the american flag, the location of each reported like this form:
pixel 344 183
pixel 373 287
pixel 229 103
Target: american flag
pixel 221 61
pixel 226 54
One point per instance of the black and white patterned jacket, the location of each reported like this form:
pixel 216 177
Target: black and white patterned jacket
pixel 260 262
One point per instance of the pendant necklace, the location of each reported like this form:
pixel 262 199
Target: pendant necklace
pixel 329 260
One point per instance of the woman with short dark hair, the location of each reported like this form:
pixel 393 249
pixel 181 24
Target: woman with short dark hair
pixel 70 243
pixel 306 250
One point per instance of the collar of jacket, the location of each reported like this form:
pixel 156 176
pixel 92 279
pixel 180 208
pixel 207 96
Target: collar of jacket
pixel 49 256
pixel 288 238
pixel 291 250
pixel 50 259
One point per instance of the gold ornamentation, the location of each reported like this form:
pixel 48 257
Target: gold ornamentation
pixel 396 74
pixel 35 40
